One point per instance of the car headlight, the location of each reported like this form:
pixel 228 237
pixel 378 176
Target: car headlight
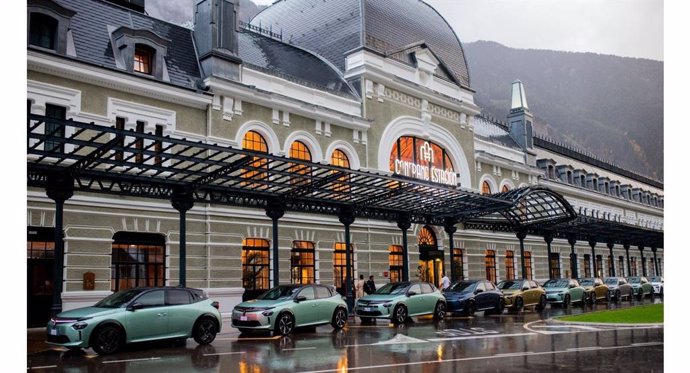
pixel 267 313
pixel 388 304
pixel 79 325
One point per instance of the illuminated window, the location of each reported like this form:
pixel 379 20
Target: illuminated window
pixel 490 265
pixel 339 267
pixel 587 266
pixel 302 262
pixel 252 140
pixel 457 264
pixel 43 31
pixel 555 268
pixel 143 58
pixel 486 188
pixel 528 265
pixel 339 159
pixel 255 264
pixel 298 150
pixel 138 259
pixel 427 237
pixel 510 265
pixel 395 262
pixel 505 189
pixel 599 266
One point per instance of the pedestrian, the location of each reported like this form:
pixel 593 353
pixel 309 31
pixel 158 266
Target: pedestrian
pixel 445 282
pixel 370 287
pixel 359 287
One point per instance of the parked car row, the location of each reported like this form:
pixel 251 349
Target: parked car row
pixel 146 314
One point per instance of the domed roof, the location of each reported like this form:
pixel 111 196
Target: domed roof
pixel 333 28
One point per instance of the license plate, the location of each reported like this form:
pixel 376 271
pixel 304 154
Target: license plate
pixel 53 332
pixel 243 318
pixel 367 309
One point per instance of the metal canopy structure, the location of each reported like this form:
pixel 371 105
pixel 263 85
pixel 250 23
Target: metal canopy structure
pixel 104 159
pixel 535 206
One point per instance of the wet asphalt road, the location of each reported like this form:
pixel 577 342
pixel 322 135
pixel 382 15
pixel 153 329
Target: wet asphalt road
pixel 510 342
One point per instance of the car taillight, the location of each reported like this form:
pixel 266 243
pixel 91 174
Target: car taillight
pixel 216 305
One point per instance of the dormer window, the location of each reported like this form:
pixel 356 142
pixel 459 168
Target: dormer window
pixel 49 26
pixel 143 58
pixel 43 31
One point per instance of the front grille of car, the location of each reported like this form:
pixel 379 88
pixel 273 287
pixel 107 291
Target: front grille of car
pixel 249 309
pixel 246 323
pixel 369 313
pixel 57 338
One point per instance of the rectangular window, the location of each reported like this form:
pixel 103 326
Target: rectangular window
pixel 458 265
pixel 587 266
pixel 135 265
pixel 55 129
pixel 621 266
pixel 143 58
pixel 510 265
pixel 255 268
pixel 490 265
pixel 599 266
pixel 302 262
pixel 395 262
pixel 633 266
pixel 339 267
pixel 528 265
pixel 555 267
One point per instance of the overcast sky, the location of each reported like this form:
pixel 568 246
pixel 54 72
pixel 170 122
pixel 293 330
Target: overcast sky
pixel 629 28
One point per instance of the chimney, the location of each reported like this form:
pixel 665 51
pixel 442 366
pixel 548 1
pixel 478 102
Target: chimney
pixel 520 118
pixel 215 34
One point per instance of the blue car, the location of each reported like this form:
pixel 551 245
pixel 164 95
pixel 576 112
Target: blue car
pixel 468 296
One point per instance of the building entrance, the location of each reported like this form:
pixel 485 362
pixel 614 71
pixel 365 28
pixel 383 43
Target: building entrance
pixel 430 267
pixel 40 262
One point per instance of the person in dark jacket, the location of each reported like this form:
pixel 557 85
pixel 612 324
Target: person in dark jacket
pixel 370 287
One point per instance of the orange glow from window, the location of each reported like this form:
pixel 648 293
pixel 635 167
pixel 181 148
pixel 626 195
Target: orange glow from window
pixel 427 237
pixel 486 188
pixel 253 140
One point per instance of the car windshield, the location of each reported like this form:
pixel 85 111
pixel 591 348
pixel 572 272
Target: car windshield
pixel 585 282
pixel 280 292
pixel 462 286
pixel 611 281
pixel 655 279
pixel 509 285
pixel 556 284
pixel 634 280
pixel 119 299
pixel 393 288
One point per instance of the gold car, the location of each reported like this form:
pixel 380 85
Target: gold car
pixel 595 289
pixel 523 293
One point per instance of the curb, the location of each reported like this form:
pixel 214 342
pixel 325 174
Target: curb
pixel 555 321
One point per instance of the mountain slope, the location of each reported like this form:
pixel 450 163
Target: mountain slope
pixel 609 106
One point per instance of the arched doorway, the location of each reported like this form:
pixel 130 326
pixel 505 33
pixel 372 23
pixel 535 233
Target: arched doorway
pixel 430 257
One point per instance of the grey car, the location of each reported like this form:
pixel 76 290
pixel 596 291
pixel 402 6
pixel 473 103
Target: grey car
pixel 618 288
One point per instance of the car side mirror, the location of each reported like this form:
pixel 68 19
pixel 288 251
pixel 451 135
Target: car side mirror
pixel 525 288
pixel 571 286
pixel 300 298
pixel 135 306
pixel 411 293
pixel 478 291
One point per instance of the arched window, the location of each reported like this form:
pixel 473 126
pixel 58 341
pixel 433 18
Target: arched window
pixel 298 150
pixel 340 159
pixel 427 238
pixel 395 262
pixel 505 188
pixel 510 265
pixel 528 265
pixel 490 265
pixel 255 267
pixel 138 259
pixel 253 140
pixel 486 188
pixel 422 159
pixel 302 259
pixel 43 31
pixel 339 266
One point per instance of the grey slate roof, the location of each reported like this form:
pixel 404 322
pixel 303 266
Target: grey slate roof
pixel 493 131
pixel 333 27
pixel 292 63
pixel 92 38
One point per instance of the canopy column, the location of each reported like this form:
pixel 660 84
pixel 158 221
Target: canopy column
pixel 593 243
pixel 612 269
pixel 521 236
pixel 548 238
pixel 573 257
pixel 449 227
pixel 626 246
pixel 182 201
pixel 404 224
pixel 346 216
pixel 61 188
pixel 656 263
pixel 642 261
pixel 275 210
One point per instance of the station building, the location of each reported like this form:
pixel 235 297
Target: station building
pixel 241 155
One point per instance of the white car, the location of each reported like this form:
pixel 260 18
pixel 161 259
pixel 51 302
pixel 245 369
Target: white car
pixel 658 284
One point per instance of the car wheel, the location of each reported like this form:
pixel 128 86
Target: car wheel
pixel 107 340
pixel 519 304
pixel 399 314
pixel 339 319
pixel 285 324
pixel 500 306
pixel 566 301
pixel 440 311
pixel 593 298
pixel 204 331
pixel 471 308
pixel 542 303
pixel 640 295
pixel 608 296
pixel 584 299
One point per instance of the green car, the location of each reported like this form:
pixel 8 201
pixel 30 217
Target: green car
pixel 564 291
pixel 641 287
pixel 399 300
pixel 286 307
pixel 137 315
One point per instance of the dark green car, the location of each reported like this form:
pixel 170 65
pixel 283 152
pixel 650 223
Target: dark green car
pixel 641 287
pixel 399 300
pixel 137 315
pixel 286 307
